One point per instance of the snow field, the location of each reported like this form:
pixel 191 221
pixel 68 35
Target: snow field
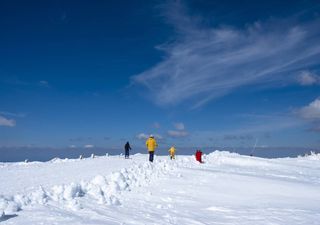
pixel 104 189
pixel 227 189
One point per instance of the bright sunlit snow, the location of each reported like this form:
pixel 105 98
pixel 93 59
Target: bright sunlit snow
pixel 226 189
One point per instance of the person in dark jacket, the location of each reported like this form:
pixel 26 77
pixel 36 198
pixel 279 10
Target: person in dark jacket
pixel 127 148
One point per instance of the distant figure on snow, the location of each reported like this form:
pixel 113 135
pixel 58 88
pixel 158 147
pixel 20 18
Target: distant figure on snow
pixel 199 156
pixel 151 146
pixel 127 148
pixel 172 152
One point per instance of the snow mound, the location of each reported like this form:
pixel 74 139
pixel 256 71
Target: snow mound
pixel 312 156
pixel 235 159
pixel 103 189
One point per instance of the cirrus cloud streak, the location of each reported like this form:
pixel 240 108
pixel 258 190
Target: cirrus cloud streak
pixel 7 122
pixel 205 63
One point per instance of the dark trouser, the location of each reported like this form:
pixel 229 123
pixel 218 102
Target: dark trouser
pixel 151 156
pixel 126 153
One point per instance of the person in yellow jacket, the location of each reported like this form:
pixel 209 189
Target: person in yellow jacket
pixel 172 152
pixel 151 146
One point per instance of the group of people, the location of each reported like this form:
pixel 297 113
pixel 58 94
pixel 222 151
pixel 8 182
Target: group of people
pixel 151 145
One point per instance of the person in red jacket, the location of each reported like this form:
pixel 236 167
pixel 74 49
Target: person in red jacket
pixel 199 156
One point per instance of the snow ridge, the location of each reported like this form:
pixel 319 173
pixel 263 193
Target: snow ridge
pixel 312 156
pixel 104 189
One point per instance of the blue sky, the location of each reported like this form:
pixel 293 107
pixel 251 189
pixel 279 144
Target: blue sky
pixel 193 73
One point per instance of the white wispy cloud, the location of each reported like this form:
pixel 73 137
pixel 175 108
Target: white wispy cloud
pixel 7 122
pixel 177 133
pixel 255 125
pixel 262 123
pixel 4 113
pixel 205 63
pixel 311 111
pixel 315 128
pixel 307 78
pixel 44 83
pixel 179 126
pixel 143 136
pixel 238 137
pixel 88 146
pixel 156 125
pixel 80 139
pixel 14 80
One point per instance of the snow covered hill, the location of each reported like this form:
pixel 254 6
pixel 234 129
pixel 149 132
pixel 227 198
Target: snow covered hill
pixel 227 189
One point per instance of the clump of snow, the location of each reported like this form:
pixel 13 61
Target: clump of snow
pixel 56 159
pixel 312 155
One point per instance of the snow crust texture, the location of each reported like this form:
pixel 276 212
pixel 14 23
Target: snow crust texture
pixel 104 189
